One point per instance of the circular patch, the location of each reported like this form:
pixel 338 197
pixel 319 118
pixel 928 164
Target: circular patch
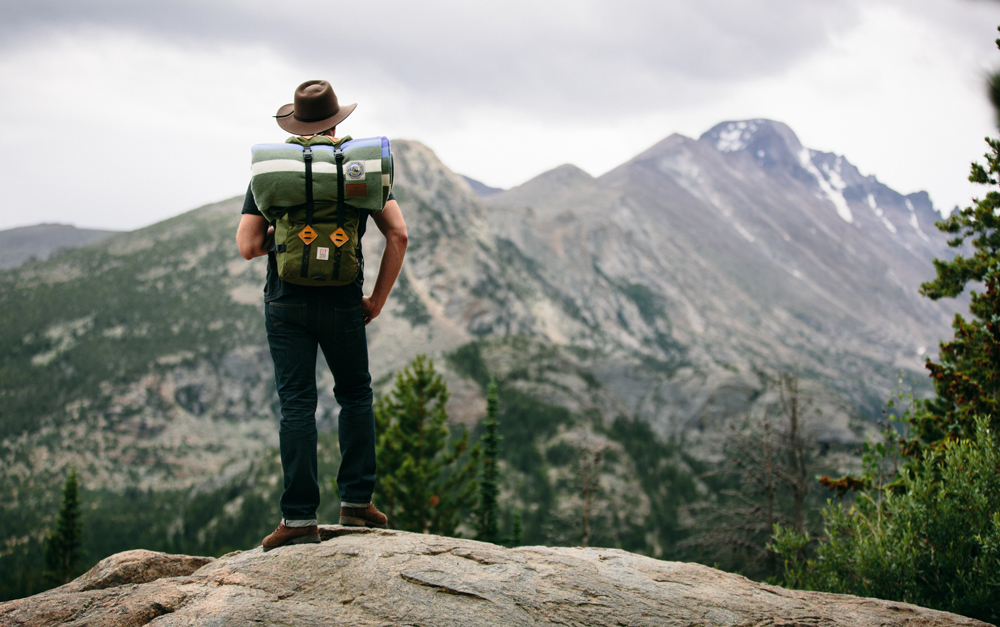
pixel 355 170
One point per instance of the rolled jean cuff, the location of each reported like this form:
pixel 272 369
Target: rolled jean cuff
pixel 291 524
pixel 354 505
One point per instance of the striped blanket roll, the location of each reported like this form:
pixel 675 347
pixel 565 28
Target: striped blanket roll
pixel 279 173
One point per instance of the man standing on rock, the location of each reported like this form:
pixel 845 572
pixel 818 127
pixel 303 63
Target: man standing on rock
pixel 299 318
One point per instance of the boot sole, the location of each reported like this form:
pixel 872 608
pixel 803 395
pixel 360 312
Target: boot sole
pixel 351 521
pixel 312 538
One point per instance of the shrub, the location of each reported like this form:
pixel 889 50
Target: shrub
pixel 934 540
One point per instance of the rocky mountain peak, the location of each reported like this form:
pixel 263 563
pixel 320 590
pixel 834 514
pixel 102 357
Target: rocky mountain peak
pixel 762 138
pixel 666 146
pixel 565 175
pixel 550 189
pixel 771 144
pixel 774 147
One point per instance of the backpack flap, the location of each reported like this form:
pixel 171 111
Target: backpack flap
pixel 278 173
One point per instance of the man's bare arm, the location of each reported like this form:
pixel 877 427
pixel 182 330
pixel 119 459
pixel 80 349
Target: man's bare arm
pixel 252 236
pixel 390 222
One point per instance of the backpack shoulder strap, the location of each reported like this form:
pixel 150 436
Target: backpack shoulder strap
pixel 307 157
pixel 339 236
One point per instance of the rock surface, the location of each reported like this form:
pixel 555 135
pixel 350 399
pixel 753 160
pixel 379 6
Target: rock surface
pixel 368 577
pixel 137 566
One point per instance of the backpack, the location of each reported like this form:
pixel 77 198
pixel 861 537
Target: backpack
pixel 314 191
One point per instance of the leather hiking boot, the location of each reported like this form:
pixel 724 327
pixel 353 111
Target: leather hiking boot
pixel 362 517
pixel 291 535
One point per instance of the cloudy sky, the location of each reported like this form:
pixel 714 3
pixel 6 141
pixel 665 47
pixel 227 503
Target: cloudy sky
pixel 118 113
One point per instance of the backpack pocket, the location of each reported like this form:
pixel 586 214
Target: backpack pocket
pixel 307 254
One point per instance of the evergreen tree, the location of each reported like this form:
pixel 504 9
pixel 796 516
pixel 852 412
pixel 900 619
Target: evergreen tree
pixel 489 480
pixel 62 546
pixel 967 375
pixel 423 481
pixel 516 530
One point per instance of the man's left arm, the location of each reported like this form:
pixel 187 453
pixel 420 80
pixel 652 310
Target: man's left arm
pixel 390 222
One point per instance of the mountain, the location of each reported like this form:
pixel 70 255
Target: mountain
pixel 633 313
pixel 715 257
pixel 40 241
pixel 482 189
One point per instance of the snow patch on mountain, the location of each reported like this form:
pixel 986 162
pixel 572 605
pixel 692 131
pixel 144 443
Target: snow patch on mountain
pixel 736 136
pixel 832 188
pixel 881 214
pixel 914 223
pixel 745 233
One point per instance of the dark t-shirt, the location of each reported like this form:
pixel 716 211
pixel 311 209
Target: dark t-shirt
pixel 346 295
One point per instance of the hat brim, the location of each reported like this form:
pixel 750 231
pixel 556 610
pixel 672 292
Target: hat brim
pixel 286 120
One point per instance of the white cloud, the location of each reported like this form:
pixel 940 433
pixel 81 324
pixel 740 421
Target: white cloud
pixel 117 114
pixel 105 130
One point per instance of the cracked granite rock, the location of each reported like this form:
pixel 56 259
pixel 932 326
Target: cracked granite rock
pixel 367 577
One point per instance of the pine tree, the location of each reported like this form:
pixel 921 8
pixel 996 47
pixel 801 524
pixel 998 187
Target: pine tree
pixel 516 530
pixel 62 546
pixel 422 480
pixel 489 480
pixel 967 375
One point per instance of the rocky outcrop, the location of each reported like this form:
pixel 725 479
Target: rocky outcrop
pixel 137 566
pixel 365 577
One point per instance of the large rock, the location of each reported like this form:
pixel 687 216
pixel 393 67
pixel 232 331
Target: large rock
pixel 137 566
pixel 365 577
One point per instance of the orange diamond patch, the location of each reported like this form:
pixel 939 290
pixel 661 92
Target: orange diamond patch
pixel 307 235
pixel 339 237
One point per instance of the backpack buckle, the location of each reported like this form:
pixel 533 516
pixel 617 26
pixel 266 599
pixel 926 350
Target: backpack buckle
pixel 307 153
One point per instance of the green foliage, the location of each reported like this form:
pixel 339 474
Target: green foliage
pixel 488 529
pixel 468 360
pixel 967 379
pixel 414 311
pixel 525 423
pixel 667 483
pixel 936 543
pixel 967 375
pixel 62 546
pixel 649 303
pixel 425 481
pixel 516 530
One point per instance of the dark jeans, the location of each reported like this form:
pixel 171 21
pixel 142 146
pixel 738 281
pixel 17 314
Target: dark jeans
pixel 296 325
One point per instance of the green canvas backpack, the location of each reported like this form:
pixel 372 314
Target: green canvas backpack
pixel 314 192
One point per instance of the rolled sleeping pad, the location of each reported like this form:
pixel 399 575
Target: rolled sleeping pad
pixel 278 174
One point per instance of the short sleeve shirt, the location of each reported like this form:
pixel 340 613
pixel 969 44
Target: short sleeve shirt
pixel 274 288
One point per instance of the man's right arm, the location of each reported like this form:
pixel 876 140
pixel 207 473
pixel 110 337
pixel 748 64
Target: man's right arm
pixel 252 236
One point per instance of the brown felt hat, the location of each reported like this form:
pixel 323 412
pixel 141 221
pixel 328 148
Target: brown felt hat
pixel 315 109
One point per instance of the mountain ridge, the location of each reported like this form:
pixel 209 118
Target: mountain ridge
pixel 742 226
